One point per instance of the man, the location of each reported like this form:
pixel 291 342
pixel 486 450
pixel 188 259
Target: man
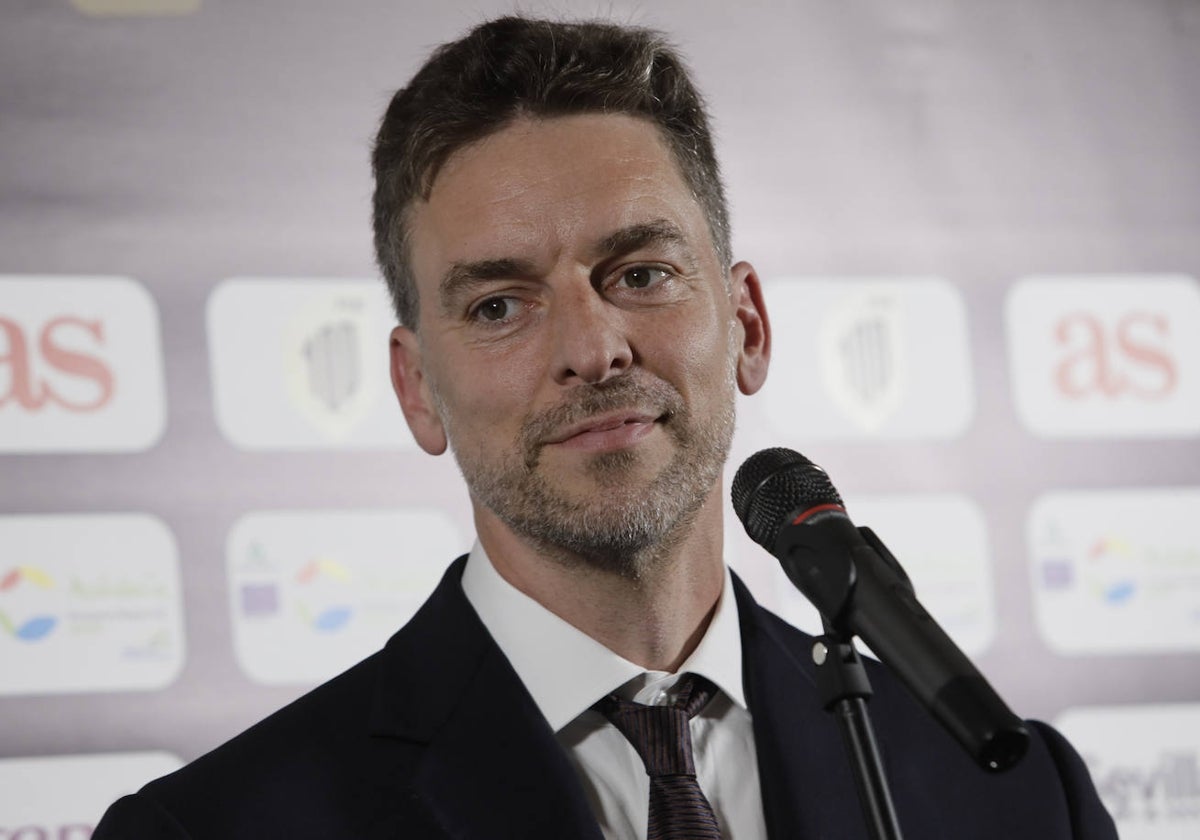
pixel 550 219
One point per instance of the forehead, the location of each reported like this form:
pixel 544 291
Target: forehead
pixel 549 184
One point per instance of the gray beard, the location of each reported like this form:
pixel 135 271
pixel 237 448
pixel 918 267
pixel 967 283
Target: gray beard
pixel 626 527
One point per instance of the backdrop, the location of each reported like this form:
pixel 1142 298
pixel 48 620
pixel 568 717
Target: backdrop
pixel 979 224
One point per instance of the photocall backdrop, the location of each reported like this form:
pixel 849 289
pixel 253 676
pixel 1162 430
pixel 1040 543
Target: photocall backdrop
pixel 979 226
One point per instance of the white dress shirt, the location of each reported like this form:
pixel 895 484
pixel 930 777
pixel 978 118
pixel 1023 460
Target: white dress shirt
pixel 566 671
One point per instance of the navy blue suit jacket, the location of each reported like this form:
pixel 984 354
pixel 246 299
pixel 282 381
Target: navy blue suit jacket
pixel 435 736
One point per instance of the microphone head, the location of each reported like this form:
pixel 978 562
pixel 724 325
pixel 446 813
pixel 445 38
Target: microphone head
pixel 771 485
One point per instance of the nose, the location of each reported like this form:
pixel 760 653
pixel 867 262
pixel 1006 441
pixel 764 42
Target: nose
pixel 591 343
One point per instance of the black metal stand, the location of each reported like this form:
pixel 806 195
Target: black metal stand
pixel 844 688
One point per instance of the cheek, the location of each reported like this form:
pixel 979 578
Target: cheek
pixel 704 353
pixel 485 392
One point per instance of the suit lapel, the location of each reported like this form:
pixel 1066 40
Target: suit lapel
pixel 807 789
pixel 491 766
pixel 515 781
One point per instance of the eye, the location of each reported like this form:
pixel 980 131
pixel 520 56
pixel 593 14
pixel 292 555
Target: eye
pixel 643 277
pixel 495 309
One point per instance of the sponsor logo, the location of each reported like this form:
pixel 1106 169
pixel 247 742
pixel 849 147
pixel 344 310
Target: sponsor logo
pixel 62 797
pixel 325 357
pixel 261 599
pixel 80 365
pixel 1167 790
pixel 68 831
pixel 1097 356
pixel 75 616
pixel 328 617
pixel 863 359
pixel 35 627
pixel 1117 571
pixel 314 592
pixel 1145 761
pixel 891 359
pixel 303 364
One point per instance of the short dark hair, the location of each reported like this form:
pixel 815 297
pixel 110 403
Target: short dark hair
pixel 512 67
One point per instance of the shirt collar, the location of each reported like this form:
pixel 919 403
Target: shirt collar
pixel 564 669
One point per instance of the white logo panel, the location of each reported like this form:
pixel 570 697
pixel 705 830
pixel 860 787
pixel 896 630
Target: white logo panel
pixel 303 363
pixel 63 797
pixel 941 542
pixel 862 358
pixel 1145 761
pixel 1117 571
pixel 1095 356
pixel 80 365
pixel 313 592
pixel 88 603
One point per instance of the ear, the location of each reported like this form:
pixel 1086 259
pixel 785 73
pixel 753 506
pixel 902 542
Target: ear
pixel 755 350
pixel 413 392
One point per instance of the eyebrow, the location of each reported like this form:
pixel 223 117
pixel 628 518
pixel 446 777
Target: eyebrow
pixel 462 277
pixel 640 235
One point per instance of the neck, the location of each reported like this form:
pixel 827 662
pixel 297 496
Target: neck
pixel 654 618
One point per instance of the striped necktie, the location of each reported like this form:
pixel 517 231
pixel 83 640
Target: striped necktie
pixel 663 739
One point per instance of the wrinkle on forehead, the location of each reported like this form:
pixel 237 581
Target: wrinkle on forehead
pixel 539 186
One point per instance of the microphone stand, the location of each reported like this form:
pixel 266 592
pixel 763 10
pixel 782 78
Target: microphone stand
pixel 833 564
pixel 844 690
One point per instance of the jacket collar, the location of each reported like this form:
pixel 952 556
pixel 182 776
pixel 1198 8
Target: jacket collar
pixel 491 766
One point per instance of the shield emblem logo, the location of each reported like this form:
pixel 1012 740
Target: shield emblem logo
pixel 325 349
pixel 862 357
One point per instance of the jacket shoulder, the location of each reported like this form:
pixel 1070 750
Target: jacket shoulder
pixel 297 773
pixel 338 761
pixel 937 788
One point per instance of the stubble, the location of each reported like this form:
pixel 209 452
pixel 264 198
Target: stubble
pixel 626 523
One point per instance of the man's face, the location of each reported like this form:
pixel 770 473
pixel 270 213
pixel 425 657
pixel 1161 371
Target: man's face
pixel 579 342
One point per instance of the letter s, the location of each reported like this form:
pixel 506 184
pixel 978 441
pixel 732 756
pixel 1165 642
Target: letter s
pixel 77 364
pixel 1147 355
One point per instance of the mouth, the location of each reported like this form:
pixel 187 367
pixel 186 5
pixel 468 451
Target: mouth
pixel 611 430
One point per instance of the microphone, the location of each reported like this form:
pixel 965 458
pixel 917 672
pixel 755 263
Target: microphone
pixel 789 506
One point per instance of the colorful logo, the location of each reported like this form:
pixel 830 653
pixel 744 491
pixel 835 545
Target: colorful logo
pixel 330 617
pixel 39 626
pixel 1110 559
pixel 314 591
pixel 1117 570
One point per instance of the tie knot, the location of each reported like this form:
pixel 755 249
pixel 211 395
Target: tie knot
pixel 693 695
pixel 661 734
